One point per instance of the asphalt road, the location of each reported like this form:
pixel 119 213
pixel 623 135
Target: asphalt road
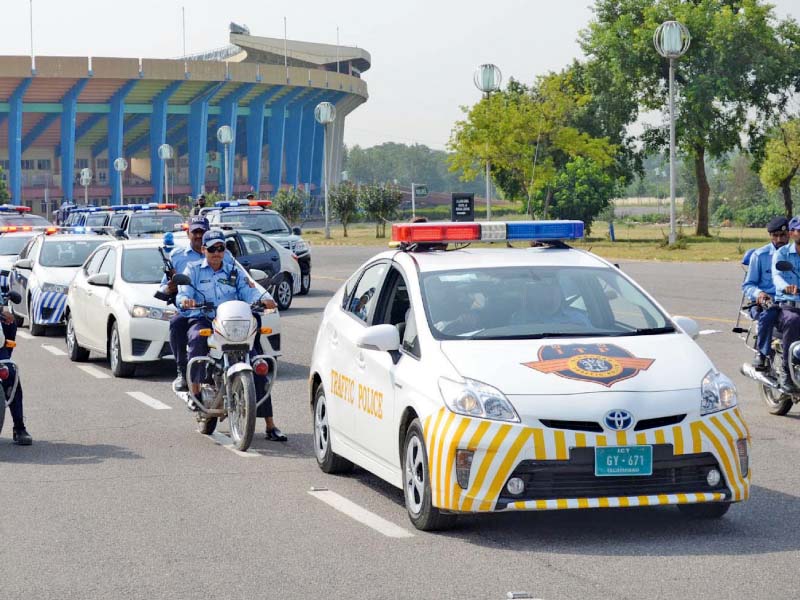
pixel 117 499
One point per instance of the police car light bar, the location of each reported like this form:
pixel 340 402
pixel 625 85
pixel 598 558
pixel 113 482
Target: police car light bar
pixel 235 203
pixel 15 228
pixel 13 208
pixel 413 233
pixel 149 206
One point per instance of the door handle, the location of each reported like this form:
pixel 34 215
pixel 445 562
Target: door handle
pixel 362 364
pixel 334 338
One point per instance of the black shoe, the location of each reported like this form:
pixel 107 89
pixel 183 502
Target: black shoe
pixel 180 385
pixel 22 437
pixel 275 435
pixel 759 362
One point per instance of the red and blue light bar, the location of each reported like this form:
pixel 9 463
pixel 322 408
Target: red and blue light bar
pixel 14 208
pixel 449 231
pixel 238 203
pixel 136 207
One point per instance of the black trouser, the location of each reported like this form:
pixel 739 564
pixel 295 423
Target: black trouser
pixel 10 331
pixel 789 326
pixel 178 338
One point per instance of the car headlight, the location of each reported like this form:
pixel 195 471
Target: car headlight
pixel 139 311
pixel 52 287
pixel 300 247
pixel 717 393
pixel 475 399
pixel 235 330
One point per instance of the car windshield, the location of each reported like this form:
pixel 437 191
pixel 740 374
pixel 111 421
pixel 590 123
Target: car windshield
pixel 34 220
pixel 67 253
pixel 142 223
pixel 142 265
pixel 96 219
pixel 10 245
pixel 537 302
pixel 269 223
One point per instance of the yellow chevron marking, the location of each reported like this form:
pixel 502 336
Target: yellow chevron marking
pixel 641 439
pixel 539 450
pixel 733 424
pixel 622 438
pixel 561 503
pixel 660 438
pixel 663 499
pixel 623 501
pixel 732 445
pixel 561 445
pixel 476 438
pixel 439 485
pixel 697 439
pixel 603 502
pixel 430 441
pixel 683 499
pixel 723 456
pixel 742 421
pixel 451 459
pixel 487 462
pixel 583 503
pixel 541 505
pixel 601 440
pixel 580 440
pixel 504 470
pixel 644 501
pixel 677 440
pixel 520 505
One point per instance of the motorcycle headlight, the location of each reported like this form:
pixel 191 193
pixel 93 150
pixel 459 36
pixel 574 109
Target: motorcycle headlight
pixel 475 399
pixel 235 330
pixel 717 393
pixel 53 287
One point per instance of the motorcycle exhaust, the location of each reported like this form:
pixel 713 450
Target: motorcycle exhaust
pixel 748 371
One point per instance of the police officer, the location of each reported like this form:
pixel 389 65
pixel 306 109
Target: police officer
pixel 788 298
pixel 179 324
pixel 199 205
pixel 216 280
pixel 21 435
pixel 758 287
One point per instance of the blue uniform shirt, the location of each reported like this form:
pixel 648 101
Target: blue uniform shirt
pixel 759 273
pixel 181 258
pixel 783 279
pixel 217 286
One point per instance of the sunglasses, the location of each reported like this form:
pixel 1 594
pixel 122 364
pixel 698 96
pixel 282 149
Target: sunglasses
pixel 215 248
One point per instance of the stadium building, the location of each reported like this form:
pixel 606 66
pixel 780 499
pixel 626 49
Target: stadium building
pixel 62 114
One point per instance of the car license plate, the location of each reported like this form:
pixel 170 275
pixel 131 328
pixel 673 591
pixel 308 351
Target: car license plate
pixel 616 461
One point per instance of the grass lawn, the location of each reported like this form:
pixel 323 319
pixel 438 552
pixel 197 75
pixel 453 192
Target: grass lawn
pixel 640 242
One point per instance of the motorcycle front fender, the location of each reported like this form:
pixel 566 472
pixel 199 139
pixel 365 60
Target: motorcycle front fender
pixel 238 367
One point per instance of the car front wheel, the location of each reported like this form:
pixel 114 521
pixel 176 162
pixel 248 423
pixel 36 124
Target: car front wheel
pixel 119 368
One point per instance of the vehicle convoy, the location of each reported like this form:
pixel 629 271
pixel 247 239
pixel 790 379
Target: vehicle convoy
pixel 42 274
pixel 6 372
pixel 230 391
pixel 535 378
pixel 128 220
pixel 256 215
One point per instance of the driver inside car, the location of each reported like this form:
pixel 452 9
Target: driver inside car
pixel 543 303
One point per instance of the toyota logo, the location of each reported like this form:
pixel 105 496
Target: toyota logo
pixel 618 419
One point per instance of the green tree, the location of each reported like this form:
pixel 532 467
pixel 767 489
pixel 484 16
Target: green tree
pixel 741 66
pixel 379 203
pixel 290 203
pixel 782 160
pixel 582 190
pixel 3 187
pixel 344 204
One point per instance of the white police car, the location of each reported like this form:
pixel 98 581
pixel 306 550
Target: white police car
pixel 42 273
pixel 12 242
pixel 537 378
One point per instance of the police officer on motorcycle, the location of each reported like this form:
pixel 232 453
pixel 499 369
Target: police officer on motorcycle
pixel 759 288
pixel 21 435
pixel 787 295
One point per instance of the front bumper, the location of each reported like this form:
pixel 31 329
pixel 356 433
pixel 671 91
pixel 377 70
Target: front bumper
pixel 145 340
pixel 557 465
pixel 47 308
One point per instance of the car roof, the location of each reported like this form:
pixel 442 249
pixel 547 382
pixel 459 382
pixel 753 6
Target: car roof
pixel 137 243
pixel 74 237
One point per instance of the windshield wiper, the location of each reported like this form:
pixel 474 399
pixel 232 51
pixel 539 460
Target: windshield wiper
pixel 276 231
pixel 651 330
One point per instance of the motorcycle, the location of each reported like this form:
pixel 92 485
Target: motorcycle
pixel 230 390
pixel 778 401
pixel 5 372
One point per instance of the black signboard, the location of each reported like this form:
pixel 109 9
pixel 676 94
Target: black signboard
pixel 462 207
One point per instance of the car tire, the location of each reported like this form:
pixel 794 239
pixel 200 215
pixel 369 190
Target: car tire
pixel 778 403
pixel 705 510
pixel 282 292
pixel 305 283
pixel 34 328
pixel 417 484
pixel 327 459
pixel 74 350
pixel 119 368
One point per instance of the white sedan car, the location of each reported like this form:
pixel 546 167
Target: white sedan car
pixel 534 378
pixel 11 244
pixel 111 308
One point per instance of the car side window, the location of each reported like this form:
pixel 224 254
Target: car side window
pixel 109 265
pixel 365 297
pixel 34 250
pixel 409 339
pixel 253 244
pixel 395 309
pixel 27 249
pixel 92 265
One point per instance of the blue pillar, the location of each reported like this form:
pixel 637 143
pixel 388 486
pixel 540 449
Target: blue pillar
pixel 255 137
pixel 116 118
pixel 15 141
pixel 276 136
pixel 69 106
pixel 158 136
pixel 229 115
pixel 301 156
pixel 198 139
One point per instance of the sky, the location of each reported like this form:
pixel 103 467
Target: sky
pixel 424 53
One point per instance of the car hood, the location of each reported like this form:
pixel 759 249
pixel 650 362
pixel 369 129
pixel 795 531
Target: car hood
pixel 140 293
pixel 56 275
pixel 648 363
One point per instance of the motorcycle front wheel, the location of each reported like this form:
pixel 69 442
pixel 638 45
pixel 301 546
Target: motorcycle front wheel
pixel 778 402
pixel 242 412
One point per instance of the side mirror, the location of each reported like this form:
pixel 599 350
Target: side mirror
pixel 688 326
pixel 23 263
pixel 384 338
pixel 297 231
pixel 258 274
pixel 181 279
pixel 101 279
pixel 784 266
pixel 119 232
pixel 14 297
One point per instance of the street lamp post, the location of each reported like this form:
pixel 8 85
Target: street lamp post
pixel 120 164
pixel 225 137
pixel 487 79
pixel 671 40
pixel 325 114
pixel 165 153
pixel 86 179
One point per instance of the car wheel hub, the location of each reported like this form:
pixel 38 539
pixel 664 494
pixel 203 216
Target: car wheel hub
pixel 415 476
pixel 321 431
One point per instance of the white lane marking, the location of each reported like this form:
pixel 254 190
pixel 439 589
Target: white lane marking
pixel 54 350
pixel 24 335
pixel 226 442
pixel 149 400
pixel 96 373
pixel 709 331
pixel 360 514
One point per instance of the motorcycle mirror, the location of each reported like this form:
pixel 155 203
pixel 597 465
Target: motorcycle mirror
pixel 181 279
pixel 784 266
pixel 14 297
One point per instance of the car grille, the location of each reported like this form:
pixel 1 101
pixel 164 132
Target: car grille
pixel 658 422
pixel 575 478
pixel 139 347
pixel 595 427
